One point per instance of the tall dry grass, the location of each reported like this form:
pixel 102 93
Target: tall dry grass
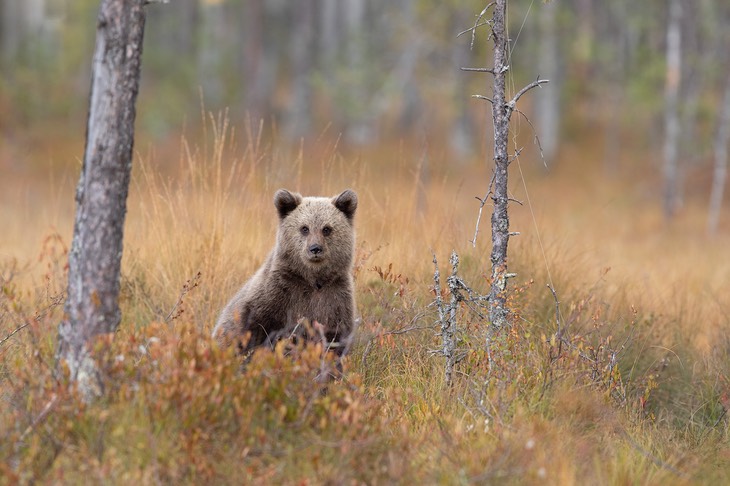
pixel 637 394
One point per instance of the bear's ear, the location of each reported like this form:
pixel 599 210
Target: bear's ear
pixel 346 202
pixel 286 202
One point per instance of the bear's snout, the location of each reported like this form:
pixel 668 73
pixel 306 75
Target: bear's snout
pixel 315 250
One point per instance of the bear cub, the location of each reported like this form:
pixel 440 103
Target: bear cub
pixel 308 275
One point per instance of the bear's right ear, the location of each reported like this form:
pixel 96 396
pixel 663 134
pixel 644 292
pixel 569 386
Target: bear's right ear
pixel 286 202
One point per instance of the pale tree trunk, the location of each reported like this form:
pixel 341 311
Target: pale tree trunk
pixel 261 60
pixel 500 216
pixel 9 31
pixel 328 32
pixel 359 129
pixel 671 110
pixel 92 307
pixel 210 54
pixel 548 98
pixel 719 174
pixel 616 77
pixel 462 129
pixel 299 116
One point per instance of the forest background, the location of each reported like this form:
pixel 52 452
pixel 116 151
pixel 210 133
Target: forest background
pixel 238 98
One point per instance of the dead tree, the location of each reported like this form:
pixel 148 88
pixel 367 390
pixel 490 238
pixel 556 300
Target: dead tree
pixel 92 307
pixel 502 110
pixel 720 170
pixel 459 294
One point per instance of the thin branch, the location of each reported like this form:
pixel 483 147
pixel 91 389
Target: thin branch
pixel 41 416
pixel 557 310
pixel 473 30
pixel 480 97
pixel 524 90
pixel 537 139
pixel 478 70
pixel 482 202
pixel 189 285
pixel 14 333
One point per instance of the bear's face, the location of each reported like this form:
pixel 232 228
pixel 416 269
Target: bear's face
pixel 316 233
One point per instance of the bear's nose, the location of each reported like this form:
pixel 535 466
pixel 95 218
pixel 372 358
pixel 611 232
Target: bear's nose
pixel 315 249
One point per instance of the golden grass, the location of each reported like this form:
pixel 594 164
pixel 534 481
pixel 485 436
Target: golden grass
pixel 201 219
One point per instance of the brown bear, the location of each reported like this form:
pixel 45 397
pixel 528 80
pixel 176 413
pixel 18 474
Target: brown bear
pixel 307 276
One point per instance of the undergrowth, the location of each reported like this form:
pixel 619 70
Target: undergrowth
pixel 599 382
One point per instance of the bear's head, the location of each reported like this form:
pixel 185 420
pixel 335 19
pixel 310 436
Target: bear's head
pixel 316 234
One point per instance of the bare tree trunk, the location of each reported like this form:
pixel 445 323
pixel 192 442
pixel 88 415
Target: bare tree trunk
pixel 500 216
pixel 10 30
pixel 299 116
pixel 92 307
pixel 462 129
pixel 501 113
pixel 261 60
pixel 359 129
pixel 671 110
pixel 719 174
pixel 211 48
pixel 548 98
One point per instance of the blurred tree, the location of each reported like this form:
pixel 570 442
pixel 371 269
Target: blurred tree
pixel 671 109
pixel 359 127
pixel 299 114
pixel 719 174
pixel 261 57
pixel 462 128
pixel 211 50
pixel 548 98
pixel 92 307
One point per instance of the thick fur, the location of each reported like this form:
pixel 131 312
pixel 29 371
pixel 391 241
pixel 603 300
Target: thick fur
pixel 308 275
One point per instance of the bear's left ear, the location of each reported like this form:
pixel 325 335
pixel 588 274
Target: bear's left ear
pixel 346 202
pixel 286 202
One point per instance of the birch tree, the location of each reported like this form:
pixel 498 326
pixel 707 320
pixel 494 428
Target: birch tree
pixel 92 307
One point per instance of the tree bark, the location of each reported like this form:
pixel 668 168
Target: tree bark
pixel 500 217
pixel 92 307
pixel 719 174
pixel 671 110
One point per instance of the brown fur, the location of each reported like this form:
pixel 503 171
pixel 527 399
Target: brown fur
pixel 308 275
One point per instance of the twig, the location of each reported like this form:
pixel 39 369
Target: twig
pixel 557 310
pixel 481 97
pixel 14 333
pixel 174 314
pixel 478 70
pixel 482 202
pixel 534 84
pixel 476 25
pixel 41 416
pixel 537 139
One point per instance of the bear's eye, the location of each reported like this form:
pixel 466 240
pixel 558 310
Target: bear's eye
pixel 304 230
pixel 326 231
